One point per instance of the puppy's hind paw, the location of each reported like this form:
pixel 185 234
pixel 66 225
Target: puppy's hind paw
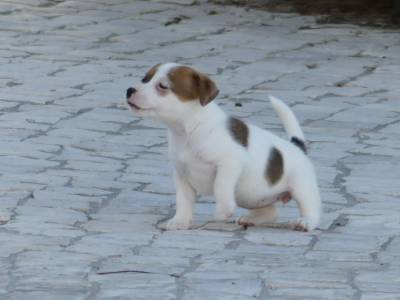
pixel 244 222
pixel 304 224
pixel 178 224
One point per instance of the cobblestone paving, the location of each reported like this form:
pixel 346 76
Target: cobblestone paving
pixel 84 184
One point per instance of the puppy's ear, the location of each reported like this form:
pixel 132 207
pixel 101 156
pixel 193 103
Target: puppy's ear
pixel 206 88
pixel 189 85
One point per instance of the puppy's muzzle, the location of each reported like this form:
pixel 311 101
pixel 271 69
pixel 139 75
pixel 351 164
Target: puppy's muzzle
pixel 129 92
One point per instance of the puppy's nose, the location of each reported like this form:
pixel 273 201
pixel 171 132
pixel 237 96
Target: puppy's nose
pixel 130 91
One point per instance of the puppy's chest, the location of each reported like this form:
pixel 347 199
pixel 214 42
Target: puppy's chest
pixel 194 168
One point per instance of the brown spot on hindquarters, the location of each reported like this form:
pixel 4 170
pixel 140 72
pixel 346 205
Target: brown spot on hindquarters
pixel 150 73
pixel 274 170
pixel 239 131
pixel 189 84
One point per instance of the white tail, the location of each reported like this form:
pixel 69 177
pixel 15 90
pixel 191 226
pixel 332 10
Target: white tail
pixel 288 118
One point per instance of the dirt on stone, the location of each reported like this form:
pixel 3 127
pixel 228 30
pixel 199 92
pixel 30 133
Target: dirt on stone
pixel 363 12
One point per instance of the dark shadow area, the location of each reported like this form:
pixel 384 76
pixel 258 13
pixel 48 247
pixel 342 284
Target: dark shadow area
pixel 384 13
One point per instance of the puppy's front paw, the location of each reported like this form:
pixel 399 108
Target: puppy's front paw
pixel 304 224
pixel 176 223
pixel 223 213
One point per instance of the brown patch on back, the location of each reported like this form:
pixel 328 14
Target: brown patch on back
pixel 239 131
pixel 150 73
pixel 188 85
pixel 274 169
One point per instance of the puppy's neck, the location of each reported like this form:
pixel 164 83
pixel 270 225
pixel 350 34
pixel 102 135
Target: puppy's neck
pixel 199 117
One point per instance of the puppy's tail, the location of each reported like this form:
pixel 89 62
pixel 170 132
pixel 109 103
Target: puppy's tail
pixel 290 123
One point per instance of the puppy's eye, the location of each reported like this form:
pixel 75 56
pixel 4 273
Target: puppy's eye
pixel 163 87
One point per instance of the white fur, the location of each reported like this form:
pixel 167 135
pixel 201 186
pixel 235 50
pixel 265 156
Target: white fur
pixel 288 118
pixel 209 161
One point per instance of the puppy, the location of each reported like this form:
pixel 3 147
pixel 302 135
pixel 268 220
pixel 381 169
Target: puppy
pixel 215 154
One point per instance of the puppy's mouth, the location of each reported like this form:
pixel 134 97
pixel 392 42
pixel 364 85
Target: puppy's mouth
pixel 133 105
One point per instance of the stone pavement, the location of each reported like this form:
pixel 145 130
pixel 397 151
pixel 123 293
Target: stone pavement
pixel 84 184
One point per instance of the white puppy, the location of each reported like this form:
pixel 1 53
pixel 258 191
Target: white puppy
pixel 240 164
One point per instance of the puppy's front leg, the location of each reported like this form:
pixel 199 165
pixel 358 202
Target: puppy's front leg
pixel 224 190
pixel 185 198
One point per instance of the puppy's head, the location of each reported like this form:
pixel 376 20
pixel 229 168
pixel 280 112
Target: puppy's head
pixel 170 90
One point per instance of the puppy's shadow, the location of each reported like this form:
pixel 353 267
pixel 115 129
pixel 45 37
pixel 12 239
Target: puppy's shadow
pixel 234 226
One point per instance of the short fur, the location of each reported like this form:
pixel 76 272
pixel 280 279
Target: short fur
pixel 189 84
pixel 299 143
pixel 150 73
pixel 274 169
pixel 239 131
pixel 211 158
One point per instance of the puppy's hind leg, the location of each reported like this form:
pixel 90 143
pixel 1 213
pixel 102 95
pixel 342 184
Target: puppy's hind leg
pixel 259 216
pixel 224 189
pixel 305 192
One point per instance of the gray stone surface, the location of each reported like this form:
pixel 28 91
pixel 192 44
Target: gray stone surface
pixel 85 185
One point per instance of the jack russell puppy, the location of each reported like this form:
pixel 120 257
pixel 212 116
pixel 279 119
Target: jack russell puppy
pixel 215 154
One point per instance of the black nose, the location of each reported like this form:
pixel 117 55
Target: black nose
pixel 130 91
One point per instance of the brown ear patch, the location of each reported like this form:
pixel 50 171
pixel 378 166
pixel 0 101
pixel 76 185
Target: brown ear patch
pixel 150 73
pixel 239 131
pixel 188 85
pixel 274 169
